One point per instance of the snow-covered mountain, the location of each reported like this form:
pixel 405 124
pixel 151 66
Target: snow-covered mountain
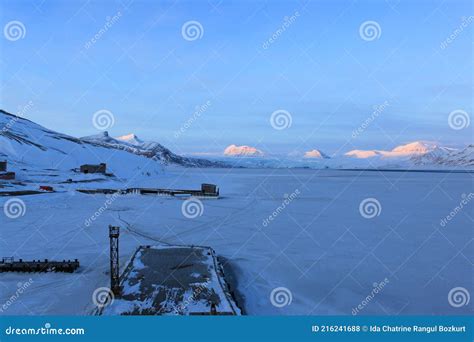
pixel 27 145
pixel 150 149
pixel 317 154
pixel 446 157
pixel 418 154
pixel 33 149
pixel 363 154
pixel 242 151
pixel 417 147
pixel 410 149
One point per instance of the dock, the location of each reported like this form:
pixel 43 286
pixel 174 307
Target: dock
pixel 173 280
pixel 8 264
pixel 207 190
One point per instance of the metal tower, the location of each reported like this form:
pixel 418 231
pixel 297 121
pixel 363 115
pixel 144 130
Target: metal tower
pixel 114 233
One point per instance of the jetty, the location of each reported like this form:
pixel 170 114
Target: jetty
pixel 173 280
pixel 207 190
pixel 8 264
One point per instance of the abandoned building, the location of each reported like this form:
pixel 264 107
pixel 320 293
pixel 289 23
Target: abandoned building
pixel 92 168
pixel 7 175
pixel 3 171
pixel 209 189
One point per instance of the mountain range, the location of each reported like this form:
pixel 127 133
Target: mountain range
pixel 415 154
pixel 26 143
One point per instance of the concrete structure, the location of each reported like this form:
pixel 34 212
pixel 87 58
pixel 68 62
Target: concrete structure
pixel 173 280
pixel 93 168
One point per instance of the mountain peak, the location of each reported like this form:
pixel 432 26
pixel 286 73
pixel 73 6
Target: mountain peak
pixel 243 151
pixel 316 154
pixel 362 154
pixel 417 147
pixel 131 138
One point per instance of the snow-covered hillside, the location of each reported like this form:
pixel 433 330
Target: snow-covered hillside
pixel 447 157
pixel 29 146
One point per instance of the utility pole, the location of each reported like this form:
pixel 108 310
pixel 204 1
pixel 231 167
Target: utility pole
pixel 114 233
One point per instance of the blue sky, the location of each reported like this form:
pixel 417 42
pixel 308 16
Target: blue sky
pixel 319 69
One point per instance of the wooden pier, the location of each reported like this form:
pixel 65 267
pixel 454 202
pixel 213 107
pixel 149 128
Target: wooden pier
pixel 10 265
pixel 173 280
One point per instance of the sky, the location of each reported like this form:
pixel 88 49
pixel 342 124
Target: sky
pixel 283 76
